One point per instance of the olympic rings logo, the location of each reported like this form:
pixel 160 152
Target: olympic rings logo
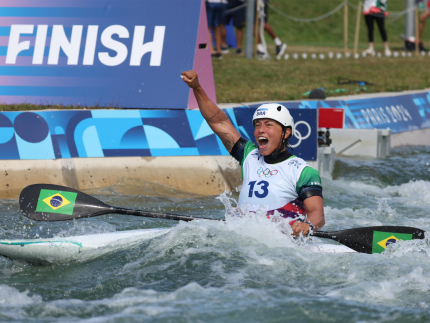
pixel 266 172
pixel 298 135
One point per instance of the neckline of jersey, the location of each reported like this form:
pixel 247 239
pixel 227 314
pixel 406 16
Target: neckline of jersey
pixel 292 156
pixel 285 160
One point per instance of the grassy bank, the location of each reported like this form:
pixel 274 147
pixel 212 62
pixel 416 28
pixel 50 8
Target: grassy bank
pixel 329 31
pixel 241 80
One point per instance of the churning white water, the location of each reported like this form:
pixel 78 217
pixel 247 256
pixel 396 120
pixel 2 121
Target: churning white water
pixel 243 270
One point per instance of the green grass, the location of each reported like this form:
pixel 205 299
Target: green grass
pixel 329 31
pixel 240 80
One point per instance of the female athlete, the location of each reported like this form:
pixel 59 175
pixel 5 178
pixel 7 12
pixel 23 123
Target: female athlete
pixel 272 177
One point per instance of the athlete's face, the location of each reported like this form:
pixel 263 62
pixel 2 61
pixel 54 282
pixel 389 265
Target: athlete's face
pixel 268 135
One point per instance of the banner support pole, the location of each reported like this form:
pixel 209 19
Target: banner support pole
pixel 417 32
pixel 357 28
pixel 345 27
pixel 250 12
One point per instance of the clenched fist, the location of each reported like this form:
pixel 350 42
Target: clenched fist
pixel 191 78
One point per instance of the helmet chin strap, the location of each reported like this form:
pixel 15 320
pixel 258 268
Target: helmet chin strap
pixel 276 153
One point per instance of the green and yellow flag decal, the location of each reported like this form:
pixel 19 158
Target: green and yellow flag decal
pixel 56 202
pixel 382 240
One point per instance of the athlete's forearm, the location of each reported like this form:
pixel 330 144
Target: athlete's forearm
pixel 315 211
pixel 208 109
pixel 317 219
pixel 213 115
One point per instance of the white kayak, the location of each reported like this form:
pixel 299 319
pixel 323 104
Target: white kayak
pixel 91 246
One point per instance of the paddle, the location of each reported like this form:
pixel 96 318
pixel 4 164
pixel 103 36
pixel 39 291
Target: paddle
pixel 45 202
pixel 371 239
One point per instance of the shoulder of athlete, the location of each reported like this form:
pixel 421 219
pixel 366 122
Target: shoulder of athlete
pixel 309 183
pixel 242 149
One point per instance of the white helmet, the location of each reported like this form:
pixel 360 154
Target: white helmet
pixel 274 111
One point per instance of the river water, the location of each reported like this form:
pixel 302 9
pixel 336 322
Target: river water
pixel 244 270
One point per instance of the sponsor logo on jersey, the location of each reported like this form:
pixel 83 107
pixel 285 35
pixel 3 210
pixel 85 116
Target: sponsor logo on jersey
pixel 381 240
pixel 266 172
pixel 295 163
pixel 56 202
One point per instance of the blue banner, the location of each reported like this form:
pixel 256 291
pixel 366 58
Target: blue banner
pixel 398 113
pixel 126 133
pixel 113 53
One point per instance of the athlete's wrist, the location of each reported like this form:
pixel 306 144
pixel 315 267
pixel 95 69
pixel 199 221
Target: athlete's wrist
pixel 311 227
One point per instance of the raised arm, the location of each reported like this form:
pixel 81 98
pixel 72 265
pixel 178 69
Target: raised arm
pixel 213 115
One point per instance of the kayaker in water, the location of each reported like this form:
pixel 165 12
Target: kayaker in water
pixel 272 177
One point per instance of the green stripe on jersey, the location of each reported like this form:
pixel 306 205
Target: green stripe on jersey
pixel 309 177
pixel 249 147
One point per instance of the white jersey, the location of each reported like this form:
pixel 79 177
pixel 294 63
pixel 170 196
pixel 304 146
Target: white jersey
pixel 275 187
pixel 270 185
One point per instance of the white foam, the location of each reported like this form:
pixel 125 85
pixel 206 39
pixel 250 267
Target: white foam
pixel 355 187
pixel 86 227
pixel 384 291
pixel 414 192
pixel 11 296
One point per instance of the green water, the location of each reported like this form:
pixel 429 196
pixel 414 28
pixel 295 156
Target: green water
pixel 242 271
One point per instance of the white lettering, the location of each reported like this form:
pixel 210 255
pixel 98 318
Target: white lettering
pixel 15 47
pixel 90 45
pixel 381 111
pixel 404 111
pixel 396 113
pixel 390 113
pixel 70 48
pixel 155 47
pixel 376 114
pixel 400 111
pixel 118 47
pixel 363 112
pixel 372 117
pixel 39 47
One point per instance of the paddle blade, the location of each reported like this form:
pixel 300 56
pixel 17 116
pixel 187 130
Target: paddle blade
pixel 45 202
pixel 371 239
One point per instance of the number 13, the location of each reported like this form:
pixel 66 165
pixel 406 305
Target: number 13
pixel 263 185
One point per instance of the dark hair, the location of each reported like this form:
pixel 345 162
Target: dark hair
pixel 287 141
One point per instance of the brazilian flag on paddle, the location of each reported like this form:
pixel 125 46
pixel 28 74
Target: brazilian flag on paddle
pixel 381 240
pixel 56 202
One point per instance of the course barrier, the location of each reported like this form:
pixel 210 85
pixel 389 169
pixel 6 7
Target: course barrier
pixel 130 133
pixel 399 113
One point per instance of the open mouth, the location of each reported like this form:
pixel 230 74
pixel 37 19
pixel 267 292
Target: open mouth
pixel 262 142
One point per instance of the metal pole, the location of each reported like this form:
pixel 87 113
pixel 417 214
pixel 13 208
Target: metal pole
pixel 250 13
pixel 410 19
pixel 417 37
pixel 256 25
pixel 345 28
pixel 357 28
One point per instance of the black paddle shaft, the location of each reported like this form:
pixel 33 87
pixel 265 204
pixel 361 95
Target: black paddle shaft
pixel 44 202
pixel 150 214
